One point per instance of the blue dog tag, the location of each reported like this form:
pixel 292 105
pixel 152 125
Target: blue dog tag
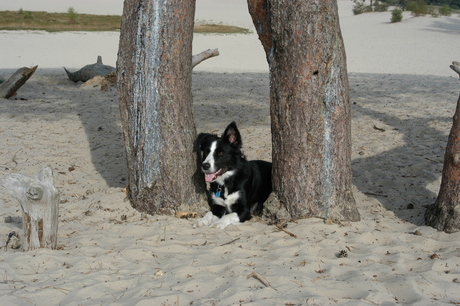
pixel 219 189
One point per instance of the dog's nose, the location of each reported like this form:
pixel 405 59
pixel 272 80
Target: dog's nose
pixel 205 166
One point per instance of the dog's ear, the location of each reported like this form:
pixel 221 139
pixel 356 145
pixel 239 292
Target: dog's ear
pixel 232 136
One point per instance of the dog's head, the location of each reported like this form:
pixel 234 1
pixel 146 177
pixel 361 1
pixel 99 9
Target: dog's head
pixel 219 154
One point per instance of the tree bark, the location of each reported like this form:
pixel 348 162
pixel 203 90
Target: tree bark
pixel 444 214
pixel 309 106
pixel 154 84
pixel 19 78
pixel 39 200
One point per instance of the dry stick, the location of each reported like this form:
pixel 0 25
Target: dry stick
pixel 230 241
pixel 261 279
pixel 282 229
pixel 376 194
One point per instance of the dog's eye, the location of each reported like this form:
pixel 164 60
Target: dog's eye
pixel 220 153
pixel 205 153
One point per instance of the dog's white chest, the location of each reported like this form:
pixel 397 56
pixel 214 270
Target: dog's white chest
pixel 228 200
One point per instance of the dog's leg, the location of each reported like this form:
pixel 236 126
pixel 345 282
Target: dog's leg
pixel 226 220
pixel 208 219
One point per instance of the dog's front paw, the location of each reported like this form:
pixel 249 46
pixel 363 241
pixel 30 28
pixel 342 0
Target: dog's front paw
pixel 218 224
pixel 226 220
pixel 208 219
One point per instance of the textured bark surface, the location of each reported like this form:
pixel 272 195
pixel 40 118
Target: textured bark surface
pixel 444 215
pixel 39 200
pixel 310 107
pixel 154 84
pixel 260 14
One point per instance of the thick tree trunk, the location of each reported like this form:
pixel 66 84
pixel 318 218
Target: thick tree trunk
pixel 310 107
pixel 39 200
pixel 154 84
pixel 444 215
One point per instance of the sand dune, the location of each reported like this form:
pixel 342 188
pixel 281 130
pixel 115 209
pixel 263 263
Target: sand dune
pixel 403 96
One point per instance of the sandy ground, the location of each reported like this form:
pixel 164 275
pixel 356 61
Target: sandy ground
pixel 403 96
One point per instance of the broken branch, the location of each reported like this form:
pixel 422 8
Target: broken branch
pixel 198 58
pixel 19 78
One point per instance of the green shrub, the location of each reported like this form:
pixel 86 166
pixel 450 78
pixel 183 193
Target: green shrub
pixel 359 8
pixel 445 10
pixel 72 15
pixel 434 12
pixel 25 14
pixel 396 15
pixel 380 7
pixel 417 7
pixel 28 15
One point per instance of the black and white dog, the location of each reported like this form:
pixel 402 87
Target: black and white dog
pixel 238 188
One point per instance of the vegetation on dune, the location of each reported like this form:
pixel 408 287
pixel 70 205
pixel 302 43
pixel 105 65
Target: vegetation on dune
pixel 396 15
pixel 74 21
pixel 219 28
pixel 54 22
pixel 434 8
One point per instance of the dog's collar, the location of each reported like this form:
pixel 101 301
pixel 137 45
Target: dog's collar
pixel 219 190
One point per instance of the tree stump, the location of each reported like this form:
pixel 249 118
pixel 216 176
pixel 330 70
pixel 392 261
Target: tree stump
pixel 39 200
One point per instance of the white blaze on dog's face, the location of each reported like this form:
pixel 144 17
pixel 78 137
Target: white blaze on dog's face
pixel 210 158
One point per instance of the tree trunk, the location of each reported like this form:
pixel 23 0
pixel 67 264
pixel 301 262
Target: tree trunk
pixel 39 200
pixel 310 106
pixel 154 84
pixel 444 215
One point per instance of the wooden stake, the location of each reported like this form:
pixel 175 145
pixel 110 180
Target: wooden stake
pixel 39 200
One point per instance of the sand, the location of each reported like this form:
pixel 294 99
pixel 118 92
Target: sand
pixel 403 94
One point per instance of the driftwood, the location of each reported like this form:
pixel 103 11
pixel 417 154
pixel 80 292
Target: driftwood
pixel 99 69
pixel 198 58
pixel 455 67
pixel 39 200
pixel 98 79
pixel 90 71
pixel 19 78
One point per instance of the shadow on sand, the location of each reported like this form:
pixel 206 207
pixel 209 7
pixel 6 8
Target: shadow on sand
pixel 403 177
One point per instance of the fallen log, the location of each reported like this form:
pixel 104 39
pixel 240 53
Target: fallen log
pixel 19 78
pixel 39 200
